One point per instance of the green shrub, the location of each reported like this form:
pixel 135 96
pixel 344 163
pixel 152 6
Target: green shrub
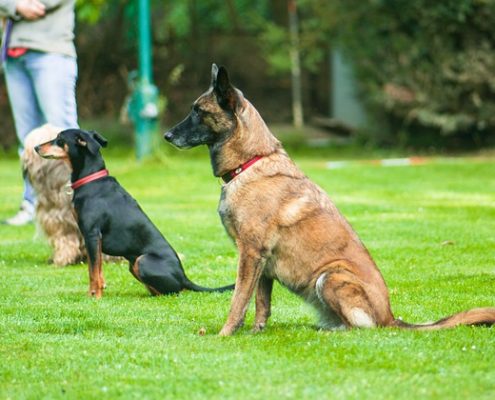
pixel 428 64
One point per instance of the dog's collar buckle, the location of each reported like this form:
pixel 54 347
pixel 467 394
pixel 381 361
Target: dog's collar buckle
pixel 90 178
pixel 232 174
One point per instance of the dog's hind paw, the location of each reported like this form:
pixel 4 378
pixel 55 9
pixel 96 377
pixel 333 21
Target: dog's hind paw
pixel 257 328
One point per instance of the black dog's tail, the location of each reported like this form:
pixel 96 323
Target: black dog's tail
pixel 196 288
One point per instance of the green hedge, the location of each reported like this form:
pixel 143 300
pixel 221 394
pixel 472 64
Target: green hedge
pixel 424 63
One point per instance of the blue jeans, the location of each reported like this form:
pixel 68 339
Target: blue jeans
pixel 41 88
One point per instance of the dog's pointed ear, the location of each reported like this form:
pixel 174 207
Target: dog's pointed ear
pixel 100 139
pixel 214 73
pixel 225 92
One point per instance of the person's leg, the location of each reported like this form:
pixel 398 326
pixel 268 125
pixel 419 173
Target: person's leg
pixel 27 116
pixel 54 77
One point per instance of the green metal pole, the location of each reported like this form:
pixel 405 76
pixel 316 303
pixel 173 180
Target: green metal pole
pixel 144 27
pixel 144 103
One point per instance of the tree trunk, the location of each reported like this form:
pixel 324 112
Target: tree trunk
pixel 297 108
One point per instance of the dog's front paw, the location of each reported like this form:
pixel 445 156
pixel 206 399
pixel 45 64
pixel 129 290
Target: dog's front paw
pixel 96 293
pixel 258 327
pixel 226 331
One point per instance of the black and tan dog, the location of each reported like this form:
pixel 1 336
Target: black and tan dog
pixel 112 222
pixel 285 227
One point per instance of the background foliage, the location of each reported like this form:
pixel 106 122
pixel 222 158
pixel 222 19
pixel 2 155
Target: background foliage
pixel 424 69
pixel 422 64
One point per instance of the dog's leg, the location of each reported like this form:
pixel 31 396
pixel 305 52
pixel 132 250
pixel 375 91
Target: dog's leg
pixel 66 249
pixel 248 274
pixel 135 271
pixel 263 302
pixel 96 281
pixel 101 279
pixel 344 293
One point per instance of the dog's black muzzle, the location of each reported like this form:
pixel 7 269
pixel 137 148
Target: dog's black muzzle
pixel 175 140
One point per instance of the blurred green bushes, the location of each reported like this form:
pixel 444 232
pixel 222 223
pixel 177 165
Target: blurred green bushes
pixel 427 67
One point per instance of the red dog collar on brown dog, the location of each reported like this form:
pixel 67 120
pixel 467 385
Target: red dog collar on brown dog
pixel 90 178
pixel 232 174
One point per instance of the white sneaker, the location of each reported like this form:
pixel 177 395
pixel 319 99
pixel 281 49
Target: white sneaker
pixel 24 216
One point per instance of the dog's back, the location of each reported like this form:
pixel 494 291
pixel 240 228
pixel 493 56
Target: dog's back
pixel 126 230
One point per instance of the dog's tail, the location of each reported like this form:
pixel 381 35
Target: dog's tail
pixel 476 316
pixel 197 288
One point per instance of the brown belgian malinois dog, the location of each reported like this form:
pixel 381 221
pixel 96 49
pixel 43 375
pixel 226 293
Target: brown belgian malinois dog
pixel 285 226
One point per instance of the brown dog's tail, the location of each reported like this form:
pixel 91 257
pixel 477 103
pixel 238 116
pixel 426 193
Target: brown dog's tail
pixel 476 316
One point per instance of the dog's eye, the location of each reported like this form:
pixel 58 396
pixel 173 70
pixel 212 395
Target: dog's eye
pixel 59 142
pixel 198 110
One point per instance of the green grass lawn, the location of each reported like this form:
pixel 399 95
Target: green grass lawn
pixel 55 342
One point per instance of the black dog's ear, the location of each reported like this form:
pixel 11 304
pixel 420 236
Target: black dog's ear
pixel 100 139
pixel 225 92
pixel 91 140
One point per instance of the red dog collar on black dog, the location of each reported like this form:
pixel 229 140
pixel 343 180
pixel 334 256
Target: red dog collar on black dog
pixel 232 174
pixel 90 178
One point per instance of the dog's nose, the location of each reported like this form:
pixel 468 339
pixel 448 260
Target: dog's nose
pixel 168 136
pixel 37 149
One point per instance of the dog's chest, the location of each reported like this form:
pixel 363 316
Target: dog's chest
pixel 226 212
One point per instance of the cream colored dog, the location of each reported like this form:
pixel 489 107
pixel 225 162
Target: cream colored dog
pixel 54 210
